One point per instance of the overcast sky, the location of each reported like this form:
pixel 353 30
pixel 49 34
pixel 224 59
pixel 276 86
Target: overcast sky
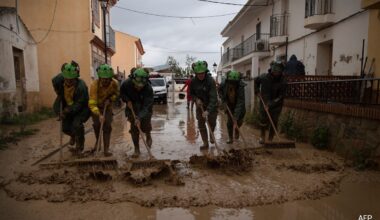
pixel 160 35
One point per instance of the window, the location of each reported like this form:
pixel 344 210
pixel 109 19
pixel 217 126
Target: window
pixel 258 31
pixel 95 12
pixel 157 82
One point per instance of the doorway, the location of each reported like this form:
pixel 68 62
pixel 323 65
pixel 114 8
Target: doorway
pixel 324 58
pixel 18 61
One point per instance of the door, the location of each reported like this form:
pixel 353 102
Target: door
pixel 18 61
pixel 324 58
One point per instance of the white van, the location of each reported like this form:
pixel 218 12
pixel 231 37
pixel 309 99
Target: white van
pixel 160 89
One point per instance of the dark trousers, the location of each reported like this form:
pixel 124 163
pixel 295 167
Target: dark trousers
pixel 107 126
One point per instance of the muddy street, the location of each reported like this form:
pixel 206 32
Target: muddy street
pixel 280 183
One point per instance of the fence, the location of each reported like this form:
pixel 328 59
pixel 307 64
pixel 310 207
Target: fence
pixel 354 90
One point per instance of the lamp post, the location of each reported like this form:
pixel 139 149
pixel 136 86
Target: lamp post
pixel 104 9
pixel 214 68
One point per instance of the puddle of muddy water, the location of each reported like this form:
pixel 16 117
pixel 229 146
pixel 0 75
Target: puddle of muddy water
pixel 354 200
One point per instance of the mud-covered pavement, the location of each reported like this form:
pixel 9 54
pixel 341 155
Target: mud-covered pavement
pixel 282 176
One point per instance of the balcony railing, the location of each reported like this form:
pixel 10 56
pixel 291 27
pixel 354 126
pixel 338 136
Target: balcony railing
pixel 110 38
pixel 346 91
pixel 278 25
pixel 255 43
pixel 318 7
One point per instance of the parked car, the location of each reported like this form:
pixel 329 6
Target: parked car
pixel 160 89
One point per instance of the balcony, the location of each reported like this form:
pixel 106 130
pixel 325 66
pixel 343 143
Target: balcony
pixel 278 29
pixel 256 43
pixel 370 4
pixel 318 14
pixel 110 38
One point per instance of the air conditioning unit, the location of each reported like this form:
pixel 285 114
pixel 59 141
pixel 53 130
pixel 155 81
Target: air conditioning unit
pixel 260 45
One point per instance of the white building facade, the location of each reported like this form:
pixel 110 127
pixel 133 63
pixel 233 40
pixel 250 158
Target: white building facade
pixel 19 81
pixel 326 35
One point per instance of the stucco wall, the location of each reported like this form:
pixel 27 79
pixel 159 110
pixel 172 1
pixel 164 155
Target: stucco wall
pixel 20 39
pixel 126 52
pixel 69 38
pixel 373 41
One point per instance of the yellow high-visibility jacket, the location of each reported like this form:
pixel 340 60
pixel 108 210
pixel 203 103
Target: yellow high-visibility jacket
pixel 99 94
pixel 68 93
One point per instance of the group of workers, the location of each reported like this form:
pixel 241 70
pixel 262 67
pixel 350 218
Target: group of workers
pixel 75 105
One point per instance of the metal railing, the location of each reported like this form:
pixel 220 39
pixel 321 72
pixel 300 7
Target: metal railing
pixel 364 91
pixel 110 38
pixel 318 7
pixel 255 43
pixel 278 25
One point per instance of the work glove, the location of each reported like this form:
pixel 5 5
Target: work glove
pixel 271 104
pixel 199 102
pixel 101 118
pixel 129 105
pixel 205 114
pixel 107 102
pixel 137 122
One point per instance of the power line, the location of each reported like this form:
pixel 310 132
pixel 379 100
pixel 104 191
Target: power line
pixel 46 34
pixel 51 24
pixel 234 4
pixel 62 31
pixel 174 16
pixel 168 50
pixel 183 51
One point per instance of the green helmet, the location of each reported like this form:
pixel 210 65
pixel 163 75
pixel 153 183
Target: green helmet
pixel 70 71
pixel 233 75
pixel 277 67
pixel 105 71
pixel 140 77
pixel 200 67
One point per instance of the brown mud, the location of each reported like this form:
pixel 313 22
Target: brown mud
pixel 243 178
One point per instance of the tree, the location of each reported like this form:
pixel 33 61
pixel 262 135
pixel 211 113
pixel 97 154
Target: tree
pixel 174 66
pixel 189 61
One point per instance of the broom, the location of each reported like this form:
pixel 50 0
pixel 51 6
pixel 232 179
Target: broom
pixel 280 143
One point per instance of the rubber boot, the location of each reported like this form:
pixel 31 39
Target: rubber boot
pixel 262 138
pixel 72 140
pixel 271 134
pixel 96 131
pixel 106 141
pixel 230 135
pixel 149 140
pixel 79 144
pixel 237 134
pixel 204 137
pixel 212 141
pixel 135 139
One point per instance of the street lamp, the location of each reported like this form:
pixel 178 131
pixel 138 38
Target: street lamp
pixel 104 4
pixel 214 68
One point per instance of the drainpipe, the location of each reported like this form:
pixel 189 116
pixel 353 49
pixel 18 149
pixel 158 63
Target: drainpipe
pixel 104 8
pixel 286 50
pixel 362 60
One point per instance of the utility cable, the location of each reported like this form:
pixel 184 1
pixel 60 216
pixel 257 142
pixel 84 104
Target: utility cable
pixel 174 16
pixel 51 24
pixel 234 4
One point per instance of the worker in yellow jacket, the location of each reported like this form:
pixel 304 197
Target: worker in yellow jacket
pixel 103 92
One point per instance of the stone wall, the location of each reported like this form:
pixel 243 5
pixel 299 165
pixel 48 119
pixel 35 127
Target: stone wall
pixel 347 135
pixel 8 103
